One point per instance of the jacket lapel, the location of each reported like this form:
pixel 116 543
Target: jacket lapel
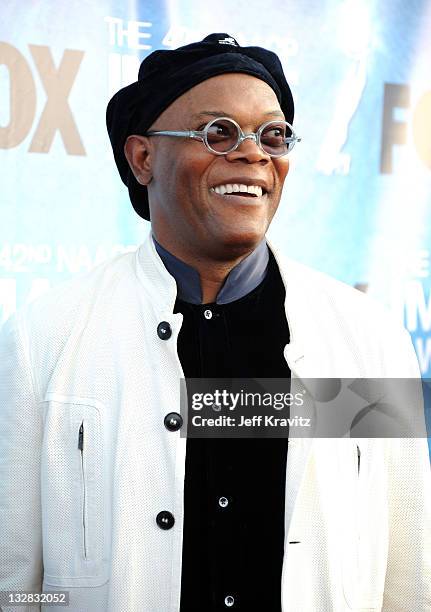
pixel 299 448
pixel 298 359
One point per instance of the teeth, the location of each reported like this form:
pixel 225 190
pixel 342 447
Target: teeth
pixel 235 188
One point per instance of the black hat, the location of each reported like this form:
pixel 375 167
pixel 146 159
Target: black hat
pixel 165 75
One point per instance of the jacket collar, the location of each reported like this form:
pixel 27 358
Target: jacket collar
pixel 161 288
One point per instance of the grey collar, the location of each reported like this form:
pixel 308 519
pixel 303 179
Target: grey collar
pixel 242 279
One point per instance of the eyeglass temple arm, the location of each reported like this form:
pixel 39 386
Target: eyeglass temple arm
pixel 186 134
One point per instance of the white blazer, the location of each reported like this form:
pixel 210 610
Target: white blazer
pixel 88 351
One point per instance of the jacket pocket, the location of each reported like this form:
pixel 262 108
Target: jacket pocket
pixel 364 540
pixel 72 489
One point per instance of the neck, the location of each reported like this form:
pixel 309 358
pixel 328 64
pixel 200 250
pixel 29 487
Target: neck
pixel 213 276
pixel 213 271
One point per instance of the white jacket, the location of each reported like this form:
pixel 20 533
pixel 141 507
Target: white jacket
pixel 88 350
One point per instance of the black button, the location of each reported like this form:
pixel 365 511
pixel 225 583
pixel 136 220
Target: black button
pixel 173 421
pixel 164 330
pixel 165 520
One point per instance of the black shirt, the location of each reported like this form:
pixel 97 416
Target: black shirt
pixel 233 541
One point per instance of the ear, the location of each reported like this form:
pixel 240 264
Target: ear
pixel 137 150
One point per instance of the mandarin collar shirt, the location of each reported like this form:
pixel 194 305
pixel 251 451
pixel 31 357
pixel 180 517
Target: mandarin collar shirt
pixel 233 538
pixel 242 279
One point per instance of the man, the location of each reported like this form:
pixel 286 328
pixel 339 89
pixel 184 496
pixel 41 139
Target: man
pixel 100 494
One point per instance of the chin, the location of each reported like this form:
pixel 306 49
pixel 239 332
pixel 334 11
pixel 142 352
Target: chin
pixel 242 239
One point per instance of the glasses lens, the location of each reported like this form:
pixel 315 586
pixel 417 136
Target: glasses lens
pixel 221 135
pixel 274 138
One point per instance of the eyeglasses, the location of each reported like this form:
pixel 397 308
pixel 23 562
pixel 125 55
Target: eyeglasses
pixel 223 135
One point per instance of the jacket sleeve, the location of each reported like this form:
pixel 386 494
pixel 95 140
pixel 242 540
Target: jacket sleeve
pixel 20 444
pixel 408 574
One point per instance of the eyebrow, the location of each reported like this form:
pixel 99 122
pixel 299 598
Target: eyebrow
pixel 221 113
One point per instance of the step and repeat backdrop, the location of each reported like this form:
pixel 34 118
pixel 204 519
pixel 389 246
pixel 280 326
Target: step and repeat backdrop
pixel 357 201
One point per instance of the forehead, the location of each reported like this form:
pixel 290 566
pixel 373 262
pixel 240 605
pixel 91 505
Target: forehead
pixel 238 95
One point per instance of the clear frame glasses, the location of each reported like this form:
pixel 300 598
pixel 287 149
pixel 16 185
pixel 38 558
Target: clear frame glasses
pixel 223 135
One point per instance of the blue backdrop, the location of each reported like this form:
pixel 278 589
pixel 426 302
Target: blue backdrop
pixel 356 202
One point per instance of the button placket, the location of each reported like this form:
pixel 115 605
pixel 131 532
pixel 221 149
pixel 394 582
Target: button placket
pixel 220 341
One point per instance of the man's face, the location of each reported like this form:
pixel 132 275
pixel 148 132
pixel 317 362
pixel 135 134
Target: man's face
pixel 185 209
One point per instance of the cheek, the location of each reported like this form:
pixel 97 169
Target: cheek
pixel 281 169
pixel 192 172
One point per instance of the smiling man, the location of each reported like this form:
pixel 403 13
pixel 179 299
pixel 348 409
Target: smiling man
pixel 100 495
pixel 213 164
pixel 215 208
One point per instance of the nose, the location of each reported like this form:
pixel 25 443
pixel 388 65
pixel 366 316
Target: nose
pixel 249 151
